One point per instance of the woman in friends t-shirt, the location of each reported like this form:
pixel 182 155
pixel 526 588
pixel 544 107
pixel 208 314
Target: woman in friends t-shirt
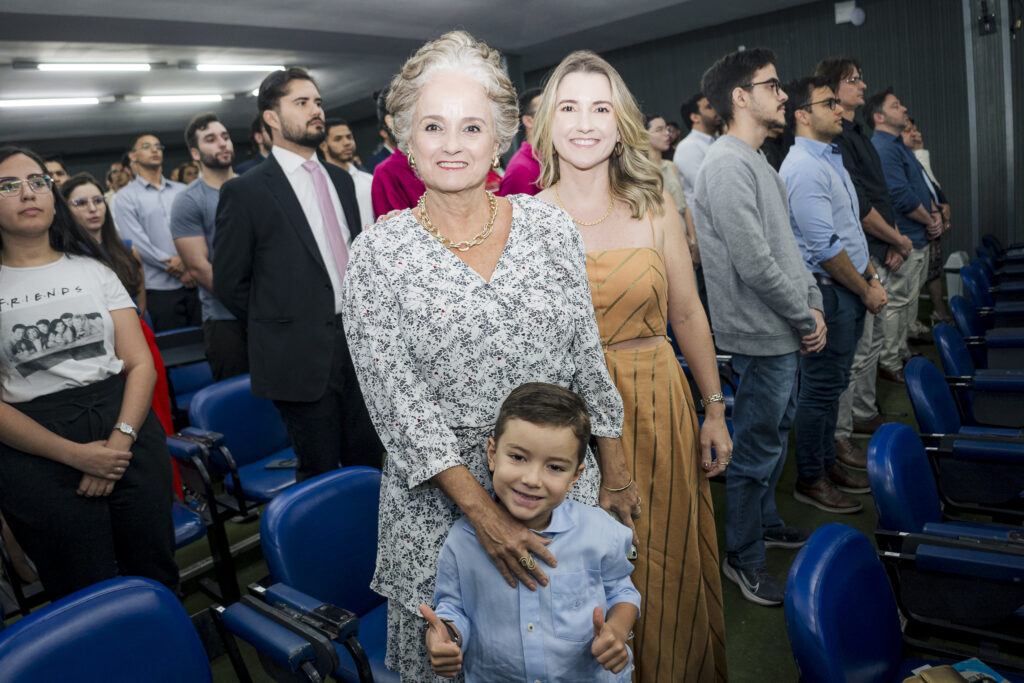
pixel 85 477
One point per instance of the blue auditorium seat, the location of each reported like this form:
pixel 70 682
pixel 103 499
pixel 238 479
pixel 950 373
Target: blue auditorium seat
pixel 841 615
pixel 127 629
pixel 988 397
pixel 995 348
pixel 189 526
pixel 934 407
pixel 319 540
pixel 1005 313
pixel 253 432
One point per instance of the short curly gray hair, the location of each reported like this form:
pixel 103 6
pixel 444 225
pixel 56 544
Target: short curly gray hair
pixel 460 52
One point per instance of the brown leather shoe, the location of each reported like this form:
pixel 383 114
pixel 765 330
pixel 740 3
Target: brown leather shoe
pixel 824 495
pixel 848 454
pixel 848 480
pixel 868 426
pixel 894 376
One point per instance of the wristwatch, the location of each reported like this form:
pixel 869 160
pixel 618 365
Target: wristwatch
pixel 126 428
pixel 873 276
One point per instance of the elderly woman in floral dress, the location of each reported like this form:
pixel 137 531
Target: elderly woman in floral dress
pixel 450 306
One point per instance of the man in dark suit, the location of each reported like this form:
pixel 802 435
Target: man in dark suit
pixel 280 250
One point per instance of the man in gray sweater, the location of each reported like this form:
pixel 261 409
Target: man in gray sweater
pixel 765 308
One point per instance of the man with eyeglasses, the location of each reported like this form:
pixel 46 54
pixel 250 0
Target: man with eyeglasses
pixel 823 211
pixel 766 308
pixel 143 215
pixel 918 217
pixel 858 405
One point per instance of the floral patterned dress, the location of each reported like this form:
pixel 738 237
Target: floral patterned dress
pixel 437 349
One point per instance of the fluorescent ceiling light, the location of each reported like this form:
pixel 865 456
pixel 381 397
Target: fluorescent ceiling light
pixel 239 67
pixel 93 67
pixel 172 99
pixel 51 102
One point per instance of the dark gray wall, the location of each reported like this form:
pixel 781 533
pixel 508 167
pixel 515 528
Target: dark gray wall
pixel 917 46
pixel 1017 88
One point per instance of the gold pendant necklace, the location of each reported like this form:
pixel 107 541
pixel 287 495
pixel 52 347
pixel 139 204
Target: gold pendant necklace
pixel 421 207
pixel 611 205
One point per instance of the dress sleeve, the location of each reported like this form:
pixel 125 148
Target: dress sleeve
pixel 591 380
pixel 403 408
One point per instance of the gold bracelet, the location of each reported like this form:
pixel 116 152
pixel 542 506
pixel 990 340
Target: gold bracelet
pixel 617 490
pixel 713 398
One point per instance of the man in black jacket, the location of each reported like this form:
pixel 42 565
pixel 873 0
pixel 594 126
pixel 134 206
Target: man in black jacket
pixel 280 250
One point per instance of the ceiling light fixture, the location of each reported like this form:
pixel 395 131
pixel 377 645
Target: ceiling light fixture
pixel 239 67
pixel 92 67
pixel 51 102
pixel 176 99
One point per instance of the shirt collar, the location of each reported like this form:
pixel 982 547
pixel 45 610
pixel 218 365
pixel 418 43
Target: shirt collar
pixel 561 520
pixel 702 137
pixel 145 184
pixel 289 160
pixel 889 136
pixel 814 147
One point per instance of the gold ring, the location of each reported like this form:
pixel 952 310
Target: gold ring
pixel 528 562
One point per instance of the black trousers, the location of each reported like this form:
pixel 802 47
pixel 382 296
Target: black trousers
pixel 335 429
pixel 227 348
pixel 76 541
pixel 170 309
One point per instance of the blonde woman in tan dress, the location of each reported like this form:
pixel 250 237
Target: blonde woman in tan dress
pixel 593 148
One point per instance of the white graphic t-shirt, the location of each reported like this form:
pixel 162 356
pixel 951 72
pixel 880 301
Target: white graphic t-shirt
pixel 55 326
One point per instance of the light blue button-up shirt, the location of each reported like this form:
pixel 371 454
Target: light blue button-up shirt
pixel 823 207
pixel 143 214
pixel 515 634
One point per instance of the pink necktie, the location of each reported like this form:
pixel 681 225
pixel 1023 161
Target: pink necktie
pixel 331 227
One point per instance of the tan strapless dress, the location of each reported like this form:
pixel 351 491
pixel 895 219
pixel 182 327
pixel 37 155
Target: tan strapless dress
pixel 680 635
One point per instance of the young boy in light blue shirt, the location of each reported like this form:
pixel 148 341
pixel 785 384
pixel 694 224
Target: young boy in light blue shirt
pixel 576 627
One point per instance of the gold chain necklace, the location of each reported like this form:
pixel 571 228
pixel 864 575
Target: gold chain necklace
pixel 611 205
pixel 421 207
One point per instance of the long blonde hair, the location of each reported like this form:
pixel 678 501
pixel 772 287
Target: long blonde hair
pixel 632 175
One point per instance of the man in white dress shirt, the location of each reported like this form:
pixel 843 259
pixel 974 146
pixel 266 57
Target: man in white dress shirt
pixel 704 126
pixel 339 148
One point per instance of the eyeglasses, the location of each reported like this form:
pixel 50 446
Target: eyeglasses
pixel 853 80
pixel 152 145
pixel 85 201
pixel 39 184
pixel 772 83
pixel 830 102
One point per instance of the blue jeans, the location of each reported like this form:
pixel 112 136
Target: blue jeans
pixel 762 416
pixel 823 377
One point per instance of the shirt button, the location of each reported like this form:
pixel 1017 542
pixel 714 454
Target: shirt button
pixel 529 627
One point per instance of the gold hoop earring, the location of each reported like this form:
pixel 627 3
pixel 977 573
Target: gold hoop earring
pixel 412 161
pixel 496 164
pixel 618 148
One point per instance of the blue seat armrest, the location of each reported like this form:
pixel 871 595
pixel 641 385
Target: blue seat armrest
pixel 1005 337
pixel 181 449
pixel 989 451
pixel 283 593
pixel 979 531
pixel 991 431
pixel 284 647
pixel 973 563
pixel 999 380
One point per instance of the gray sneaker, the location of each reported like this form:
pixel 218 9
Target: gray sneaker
pixel 757 585
pixel 786 537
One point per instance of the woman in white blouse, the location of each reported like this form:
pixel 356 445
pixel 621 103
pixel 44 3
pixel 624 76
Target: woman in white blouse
pixel 450 306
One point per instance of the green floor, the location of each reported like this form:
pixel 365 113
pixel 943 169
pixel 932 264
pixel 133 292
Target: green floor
pixel 757 646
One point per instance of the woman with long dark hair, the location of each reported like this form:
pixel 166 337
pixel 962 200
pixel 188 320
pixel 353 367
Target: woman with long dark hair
pixel 89 208
pixel 85 477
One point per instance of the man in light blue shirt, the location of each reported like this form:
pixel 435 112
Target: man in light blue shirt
pixel 823 211
pixel 143 215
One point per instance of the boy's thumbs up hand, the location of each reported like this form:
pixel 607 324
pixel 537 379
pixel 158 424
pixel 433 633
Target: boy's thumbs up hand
pixel 609 647
pixel 445 654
